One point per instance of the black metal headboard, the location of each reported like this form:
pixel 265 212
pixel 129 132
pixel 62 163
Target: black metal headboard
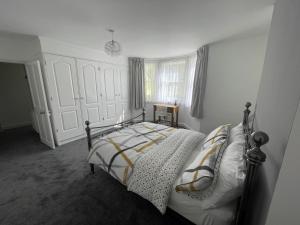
pixel 254 158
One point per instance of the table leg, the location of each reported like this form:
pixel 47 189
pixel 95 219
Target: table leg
pixel 172 119
pixel 177 119
pixel 154 109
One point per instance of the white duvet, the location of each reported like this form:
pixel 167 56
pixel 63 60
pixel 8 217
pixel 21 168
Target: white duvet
pixel 155 173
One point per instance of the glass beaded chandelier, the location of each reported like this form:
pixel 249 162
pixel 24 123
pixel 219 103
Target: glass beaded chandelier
pixel 112 48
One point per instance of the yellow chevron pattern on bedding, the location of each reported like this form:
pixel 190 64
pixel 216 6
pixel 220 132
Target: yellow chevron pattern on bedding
pixel 117 151
pixel 202 173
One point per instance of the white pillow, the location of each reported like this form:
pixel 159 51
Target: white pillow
pixel 231 172
pixel 201 174
pixel 237 134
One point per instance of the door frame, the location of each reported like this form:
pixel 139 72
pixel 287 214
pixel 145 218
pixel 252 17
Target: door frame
pixel 24 62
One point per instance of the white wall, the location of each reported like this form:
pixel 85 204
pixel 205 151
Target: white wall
pixel 15 98
pixel 17 48
pixel 284 208
pixel 187 120
pixel 233 76
pixel 278 99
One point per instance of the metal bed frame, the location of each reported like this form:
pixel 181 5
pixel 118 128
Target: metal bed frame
pixel 253 155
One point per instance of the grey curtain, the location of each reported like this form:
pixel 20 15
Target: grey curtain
pixel 136 83
pixel 199 82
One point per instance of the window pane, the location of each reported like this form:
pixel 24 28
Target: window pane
pixel 170 81
pixel 150 71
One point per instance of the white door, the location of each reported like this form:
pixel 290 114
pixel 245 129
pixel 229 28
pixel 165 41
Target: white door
pixel 64 97
pixel 89 78
pixel 122 82
pixel 110 93
pixel 41 112
pixel 124 98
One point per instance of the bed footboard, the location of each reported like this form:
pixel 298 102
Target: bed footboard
pixel 103 130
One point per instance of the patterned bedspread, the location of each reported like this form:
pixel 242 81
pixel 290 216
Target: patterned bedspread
pixel 117 152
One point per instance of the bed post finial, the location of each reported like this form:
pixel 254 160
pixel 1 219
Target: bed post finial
pixel 144 113
pixel 248 104
pixel 88 134
pixel 89 139
pixel 255 157
pixel 246 115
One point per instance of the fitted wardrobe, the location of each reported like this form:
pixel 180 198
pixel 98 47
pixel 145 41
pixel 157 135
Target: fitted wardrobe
pixel 78 90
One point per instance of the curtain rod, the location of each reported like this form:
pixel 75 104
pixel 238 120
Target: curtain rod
pixel 170 58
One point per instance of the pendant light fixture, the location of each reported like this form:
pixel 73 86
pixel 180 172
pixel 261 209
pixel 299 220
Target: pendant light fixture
pixel 112 48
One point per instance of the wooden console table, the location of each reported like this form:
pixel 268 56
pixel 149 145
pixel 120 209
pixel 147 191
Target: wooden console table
pixel 171 109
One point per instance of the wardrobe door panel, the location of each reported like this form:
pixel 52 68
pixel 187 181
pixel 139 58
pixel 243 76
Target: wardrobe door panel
pixel 111 111
pixel 109 84
pixel 64 83
pixel 124 85
pixel 109 93
pixel 117 83
pixel 69 120
pixel 93 114
pixel 64 96
pixel 123 106
pixel 90 84
pixel 90 91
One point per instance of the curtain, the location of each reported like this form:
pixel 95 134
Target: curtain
pixel 190 80
pixel 199 82
pixel 136 83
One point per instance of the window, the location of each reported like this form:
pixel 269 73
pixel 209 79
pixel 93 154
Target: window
pixel 150 87
pixel 167 81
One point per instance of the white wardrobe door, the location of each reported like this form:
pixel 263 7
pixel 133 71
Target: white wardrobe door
pixel 110 93
pixel 123 92
pixel 89 78
pixel 63 87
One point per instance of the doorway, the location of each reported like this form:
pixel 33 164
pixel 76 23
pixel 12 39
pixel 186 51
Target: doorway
pixel 23 101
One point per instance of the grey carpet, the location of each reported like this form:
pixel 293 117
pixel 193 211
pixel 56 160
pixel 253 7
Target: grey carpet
pixel 40 186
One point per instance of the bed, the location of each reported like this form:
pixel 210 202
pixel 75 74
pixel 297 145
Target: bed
pixel 153 160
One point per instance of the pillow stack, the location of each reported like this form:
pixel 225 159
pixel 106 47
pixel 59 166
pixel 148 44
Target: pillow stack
pixel 224 183
pixel 202 172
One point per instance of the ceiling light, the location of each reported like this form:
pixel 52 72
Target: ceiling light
pixel 112 48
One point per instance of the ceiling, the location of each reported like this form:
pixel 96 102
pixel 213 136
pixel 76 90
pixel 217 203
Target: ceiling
pixel 146 28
